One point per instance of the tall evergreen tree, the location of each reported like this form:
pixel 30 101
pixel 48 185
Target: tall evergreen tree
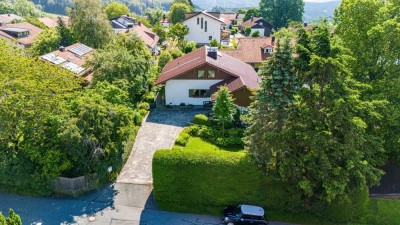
pixel 272 101
pixel 66 37
pixel 323 150
pixel 281 12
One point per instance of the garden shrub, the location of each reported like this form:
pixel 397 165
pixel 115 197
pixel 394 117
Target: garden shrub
pixel 144 105
pixel 182 139
pixel 143 112
pixel 205 181
pixel 149 97
pixel 201 119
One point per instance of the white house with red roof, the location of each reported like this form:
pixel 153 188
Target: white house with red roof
pixel 195 77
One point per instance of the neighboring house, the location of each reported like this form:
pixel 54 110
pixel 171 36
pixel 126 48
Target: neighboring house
pixel 20 34
pixel 53 22
pixel 239 18
pixel 203 27
pixel 129 24
pixel 257 24
pixel 253 51
pixel 196 76
pixel 166 22
pixel 8 18
pixel 229 20
pixel 71 58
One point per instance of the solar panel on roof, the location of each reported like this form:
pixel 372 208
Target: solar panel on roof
pixel 81 50
pixel 72 67
pixel 53 58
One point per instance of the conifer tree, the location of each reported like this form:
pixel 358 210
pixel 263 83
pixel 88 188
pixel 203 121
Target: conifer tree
pixel 224 108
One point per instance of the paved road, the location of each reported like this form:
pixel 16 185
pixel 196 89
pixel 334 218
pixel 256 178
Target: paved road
pixel 127 202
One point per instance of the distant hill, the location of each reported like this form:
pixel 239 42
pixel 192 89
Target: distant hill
pixel 312 10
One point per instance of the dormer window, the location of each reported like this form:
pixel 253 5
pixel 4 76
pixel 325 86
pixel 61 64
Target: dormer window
pixel 268 50
pixel 261 23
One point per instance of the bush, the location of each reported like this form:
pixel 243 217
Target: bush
pixel 144 105
pixel 176 53
pixel 205 181
pixel 143 112
pixel 201 119
pixel 182 139
pixel 149 97
pixel 189 47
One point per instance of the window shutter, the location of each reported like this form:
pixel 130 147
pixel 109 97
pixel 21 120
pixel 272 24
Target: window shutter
pixel 190 93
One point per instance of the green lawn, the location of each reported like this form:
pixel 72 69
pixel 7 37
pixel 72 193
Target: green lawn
pixel 199 144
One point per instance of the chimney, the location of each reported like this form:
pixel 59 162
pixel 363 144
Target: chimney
pixel 305 24
pixel 252 18
pixel 212 52
pixel 273 40
pixel 139 23
pixel 61 48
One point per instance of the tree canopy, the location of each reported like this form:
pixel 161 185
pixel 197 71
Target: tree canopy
pixel 90 24
pixel 115 9
pixel 309 124
pixel 125 59
pixel 178 11
pixel 281 12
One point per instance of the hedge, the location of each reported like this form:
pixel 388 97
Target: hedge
pixel 205 181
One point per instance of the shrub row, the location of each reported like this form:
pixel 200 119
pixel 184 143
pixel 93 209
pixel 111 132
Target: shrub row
pixel 233 137
pixel 206 181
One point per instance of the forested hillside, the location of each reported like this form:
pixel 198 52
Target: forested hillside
pixel 312 10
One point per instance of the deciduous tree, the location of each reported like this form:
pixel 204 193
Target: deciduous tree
pixel 178 11
pixel 45 42
pixel 224 108
pixel 281 12
pixel 178 31
pixel 253 12
pixel 90 24
pixel 115 9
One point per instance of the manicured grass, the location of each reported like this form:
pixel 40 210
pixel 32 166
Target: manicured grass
pixel 385 211
pixel 200 144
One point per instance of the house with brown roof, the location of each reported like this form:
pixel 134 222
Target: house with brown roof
pixel 253 51
pixel 126 23
pixel 257 24
pixel 8 18
pixel 72 58
pixel 195 77
pixel 53 22
pixel 166 22
pixel 20 34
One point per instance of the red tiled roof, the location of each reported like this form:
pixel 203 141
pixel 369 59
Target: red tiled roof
pixel 7 18
pixel 228 18
pixel 53 22
pixel 34 31
pixel 165 20
pixel 149 37
pixel 250 50
pixel 243 74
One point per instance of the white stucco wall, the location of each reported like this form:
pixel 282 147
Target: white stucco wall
pixel 199 35
pixel 259 30
pixel 177 91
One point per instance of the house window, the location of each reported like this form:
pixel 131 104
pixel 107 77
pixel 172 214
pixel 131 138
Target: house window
pixel 199 93
pixel 210 38
pixel 200 74
pixel 201 23
pixel 211 74
pixel 268 50
pixel 205 26
pixel 198 21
